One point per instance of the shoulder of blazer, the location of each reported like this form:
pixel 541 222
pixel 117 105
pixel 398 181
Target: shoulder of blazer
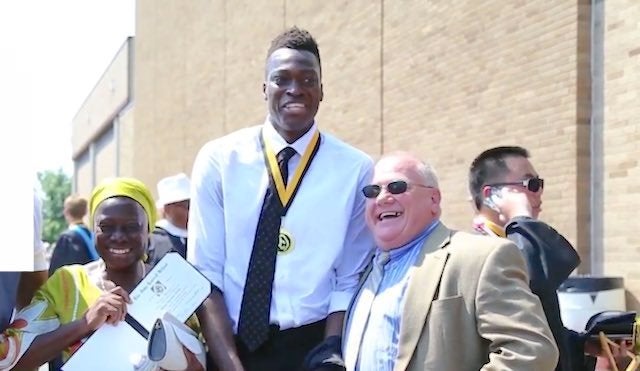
pixel 476 247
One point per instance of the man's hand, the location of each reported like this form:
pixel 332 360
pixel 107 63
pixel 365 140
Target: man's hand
pixel 326 356
pixel 512 203
pixel 592 347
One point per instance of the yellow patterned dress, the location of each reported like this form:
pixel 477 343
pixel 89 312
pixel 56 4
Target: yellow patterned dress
pixel 64 298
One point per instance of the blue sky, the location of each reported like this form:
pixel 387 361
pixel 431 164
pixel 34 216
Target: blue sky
pixel 54 52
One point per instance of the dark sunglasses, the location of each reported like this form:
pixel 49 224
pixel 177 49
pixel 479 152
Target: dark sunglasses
pixel 395 188
pixel 531 184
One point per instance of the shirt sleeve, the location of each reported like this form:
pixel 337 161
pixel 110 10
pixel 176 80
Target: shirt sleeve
pixel 206 240
pixel 39 259
pixel 358 244
pixel 38 318
pixel 549 256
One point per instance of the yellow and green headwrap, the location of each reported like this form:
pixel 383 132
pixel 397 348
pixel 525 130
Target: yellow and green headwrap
pixel 128 187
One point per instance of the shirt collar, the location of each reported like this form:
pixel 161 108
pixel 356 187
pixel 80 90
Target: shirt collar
pixel 417 241
pixel 278 143
pixel 498 230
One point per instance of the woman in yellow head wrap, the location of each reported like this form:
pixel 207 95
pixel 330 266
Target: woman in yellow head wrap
pixel 78 299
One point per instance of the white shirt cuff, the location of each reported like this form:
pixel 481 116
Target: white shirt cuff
pixel 339 301
pixel 40 261
pixel 213 277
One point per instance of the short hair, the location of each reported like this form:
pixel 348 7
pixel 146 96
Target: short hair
pixel 424 169
pixel 295 38
pixel 428 173
pixel 489 167
pixel 75 206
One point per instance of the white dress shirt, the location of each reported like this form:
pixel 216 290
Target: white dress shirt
pixel 39 258
pixel 326 220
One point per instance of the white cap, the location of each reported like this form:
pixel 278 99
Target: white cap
pixel 173 189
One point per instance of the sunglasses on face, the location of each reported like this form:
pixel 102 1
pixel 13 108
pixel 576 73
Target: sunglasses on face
pixel 531 184
pixel 395 188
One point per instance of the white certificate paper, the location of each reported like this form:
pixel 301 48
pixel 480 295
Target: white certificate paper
pixel 110 348
pixel 173 286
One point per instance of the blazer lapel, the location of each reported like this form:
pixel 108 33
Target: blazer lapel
pixel 423 286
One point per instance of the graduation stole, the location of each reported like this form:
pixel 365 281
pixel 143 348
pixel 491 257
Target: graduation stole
pixel 287 193
pixel 487 227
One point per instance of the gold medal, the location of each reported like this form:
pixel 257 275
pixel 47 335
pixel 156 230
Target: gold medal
pixel 285 242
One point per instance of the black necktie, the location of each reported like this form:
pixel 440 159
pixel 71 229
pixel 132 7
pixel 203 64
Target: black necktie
pixel 253 324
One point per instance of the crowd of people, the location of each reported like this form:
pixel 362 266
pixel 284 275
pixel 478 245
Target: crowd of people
pixel 318 258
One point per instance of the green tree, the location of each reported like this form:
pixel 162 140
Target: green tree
pixel 56 186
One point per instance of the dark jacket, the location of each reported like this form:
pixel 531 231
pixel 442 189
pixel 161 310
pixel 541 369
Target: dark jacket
pixel 70 249
pixel 550 259
pixel 163 242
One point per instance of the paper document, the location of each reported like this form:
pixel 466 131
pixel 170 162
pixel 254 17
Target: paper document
pixel 110 348
pixel 172 286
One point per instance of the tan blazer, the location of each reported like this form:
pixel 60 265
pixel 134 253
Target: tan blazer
pixel 468 307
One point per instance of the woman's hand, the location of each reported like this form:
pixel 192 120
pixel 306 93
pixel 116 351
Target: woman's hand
pixel 111 307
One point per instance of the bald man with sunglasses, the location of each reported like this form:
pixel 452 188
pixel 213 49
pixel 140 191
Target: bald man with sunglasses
pixel 507 195
pixel 437 299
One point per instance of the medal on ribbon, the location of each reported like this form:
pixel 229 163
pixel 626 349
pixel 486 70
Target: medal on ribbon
pixel 285 242
pixel 286 193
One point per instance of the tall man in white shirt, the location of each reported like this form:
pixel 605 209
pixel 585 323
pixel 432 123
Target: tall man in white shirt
pixel 276 223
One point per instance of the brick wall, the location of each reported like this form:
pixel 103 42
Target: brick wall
pixel 83 176
pixel 105 155
pixel 622 143
pixel 125 146
pixel 483 74
pixel 443 79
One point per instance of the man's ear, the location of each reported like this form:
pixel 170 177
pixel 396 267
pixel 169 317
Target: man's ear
pixel 436 197
pixel 321 92
pixel 264 90
pixel 486 192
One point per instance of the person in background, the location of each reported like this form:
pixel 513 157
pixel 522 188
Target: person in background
pixel 507 194
pixel 170 233
pixel 75 245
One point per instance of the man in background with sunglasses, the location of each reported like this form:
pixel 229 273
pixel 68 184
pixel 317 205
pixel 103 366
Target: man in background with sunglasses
pixel 507 194
pixel 437 299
